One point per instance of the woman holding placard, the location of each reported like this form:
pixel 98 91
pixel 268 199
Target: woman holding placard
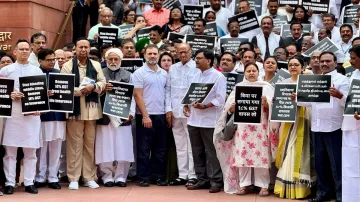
pixel 251 148
pixel 176 24
pixel 296 169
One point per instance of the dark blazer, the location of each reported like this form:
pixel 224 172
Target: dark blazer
pixel 290 41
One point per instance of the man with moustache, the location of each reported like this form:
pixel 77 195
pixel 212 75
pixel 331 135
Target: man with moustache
pixel 329 22
pixel 344 45
pixel 281 54
pixel 222 14
pixel 21 131
pixel 155 36
pixel 249 56
pixel 178 81
pixel 322 34
pixel 267 41
pixel 296 38
pixel 306 44
pixel 201 123
pixel 350 142
pixel 292 50
pixel 227 62
pixel 326 130
pixel 244 6
pixel 38 42
pixel 199 26
pixel 273 10
pixel 127 47
pixel 81 124
pixel 149 94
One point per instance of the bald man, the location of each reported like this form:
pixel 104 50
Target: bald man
pixel 60 57
pixel 177 84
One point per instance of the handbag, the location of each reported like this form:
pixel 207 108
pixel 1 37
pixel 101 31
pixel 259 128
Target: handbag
pixel 229 129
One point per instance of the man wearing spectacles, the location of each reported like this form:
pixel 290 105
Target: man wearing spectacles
pixel 38 42
pixel 106 16
pixel 60 57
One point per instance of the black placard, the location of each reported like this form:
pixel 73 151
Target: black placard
pixel 231 80
pixel 143 33
pixel 283 3
pixel 192 12
pixel 255 5
pixel 211 29
pixel 279 21
pixel 118 101
pixel 107 35
pixel 324 45
pixel 282 65
pixel 206 3
pixel 6 87
pixel 197 92
pixel 63 87
pixel 313 88
pixel 281 75
pixel 349 71
pixel 35 94
pixel 285 30
pixel 350 14
pixel 145 1
pixel 284 108
pixel 318 6
pixel 131 64
pixel 353 99
pixel 170 4
pixel 231 44
pixel 125 29
pixel 248 104
pixel 172 36
pixel 200 42
pixel 248 21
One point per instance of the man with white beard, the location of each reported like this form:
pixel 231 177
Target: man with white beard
pixel 114 140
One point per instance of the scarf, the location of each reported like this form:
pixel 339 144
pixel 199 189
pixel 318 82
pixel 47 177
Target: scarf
pixel 90 73
pixel 273 42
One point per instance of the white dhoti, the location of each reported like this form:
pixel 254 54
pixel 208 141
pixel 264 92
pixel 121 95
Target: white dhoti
pixel 114 144
pixel 261 177
pixel 53 133
pixel 10 165
pixel 351 166
pixel 184 155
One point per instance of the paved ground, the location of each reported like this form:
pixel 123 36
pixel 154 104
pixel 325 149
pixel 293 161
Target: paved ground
pixel 132 193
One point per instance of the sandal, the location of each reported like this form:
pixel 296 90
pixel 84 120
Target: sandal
pixel 191 182
pixel 243 191
pixel 264 192
pixel 177 181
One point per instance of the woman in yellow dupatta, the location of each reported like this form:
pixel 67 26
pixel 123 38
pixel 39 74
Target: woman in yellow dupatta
pixel 293 158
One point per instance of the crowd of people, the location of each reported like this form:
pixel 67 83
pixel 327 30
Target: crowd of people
pixel 165 142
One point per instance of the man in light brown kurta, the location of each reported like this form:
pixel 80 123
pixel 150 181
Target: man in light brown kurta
pixel 81 124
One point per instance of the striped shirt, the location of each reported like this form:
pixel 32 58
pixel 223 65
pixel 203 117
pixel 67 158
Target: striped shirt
pixel 157 17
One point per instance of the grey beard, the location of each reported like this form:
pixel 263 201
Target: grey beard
pixel 114 68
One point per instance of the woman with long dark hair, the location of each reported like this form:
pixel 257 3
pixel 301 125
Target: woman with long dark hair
pixel 176 23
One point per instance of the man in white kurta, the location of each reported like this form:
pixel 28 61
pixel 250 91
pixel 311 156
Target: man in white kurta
pixel 178 81
pixel 351 144
pixel 114 141
pixel 38 42
pixel 20 131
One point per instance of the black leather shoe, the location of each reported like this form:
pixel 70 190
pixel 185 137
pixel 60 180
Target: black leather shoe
pixel 214 189
pixel 319 199
pixel 176 182
pixel 143 183
pixel 54 185
pixel 120 184
pixel 40 184
pixel 31 189
pixel 160 182
pixel 198 185
pixel 109 184
pixel 8 190
pixel 64 179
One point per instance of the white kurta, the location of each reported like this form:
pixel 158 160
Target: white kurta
pixel 351 156
pixel 53 130
pixel 20 130
pixel 113 144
